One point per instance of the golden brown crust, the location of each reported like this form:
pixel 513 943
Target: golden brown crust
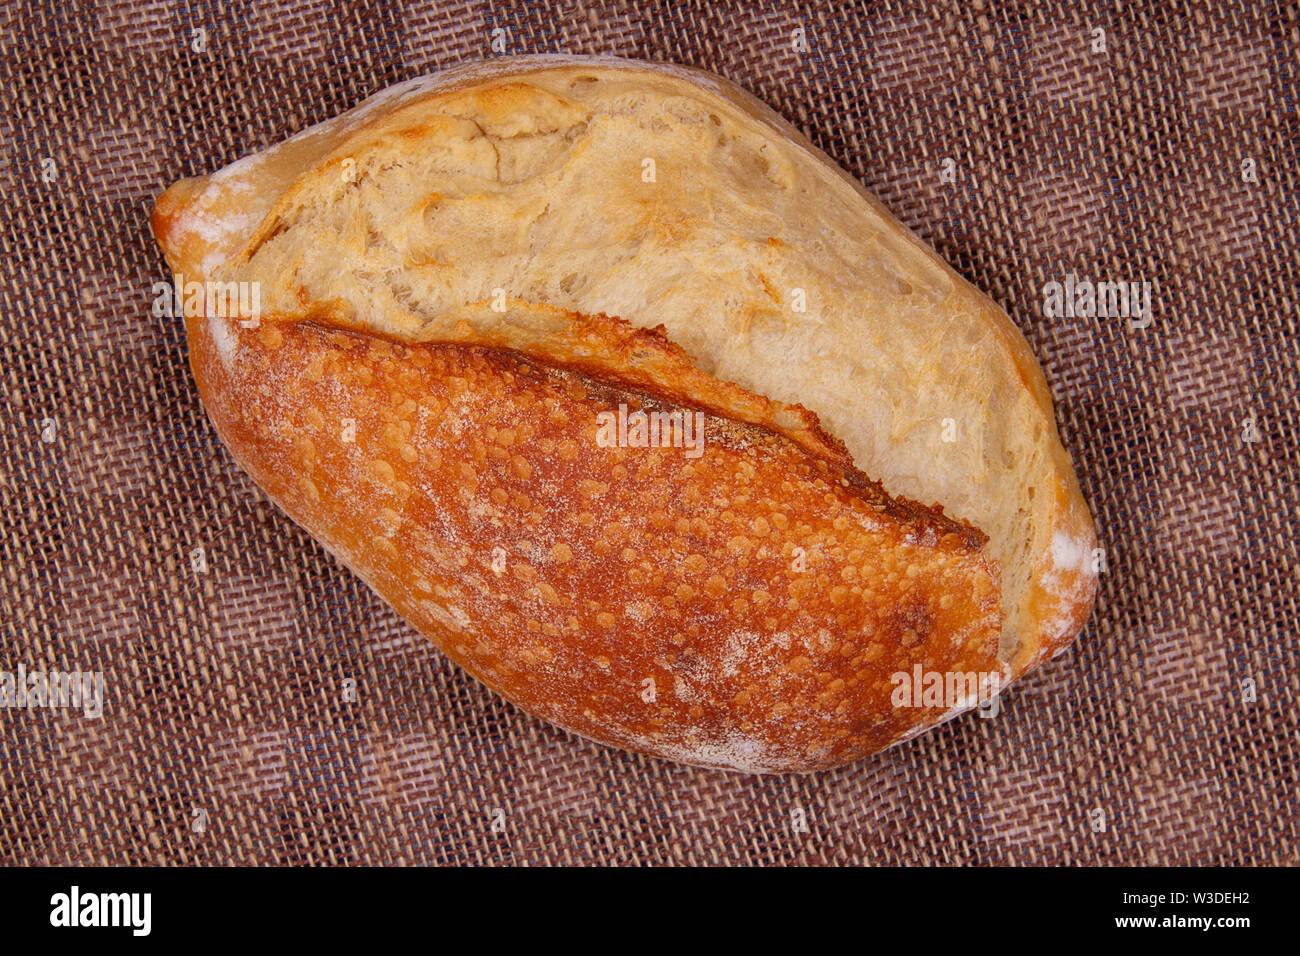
pixel 614 567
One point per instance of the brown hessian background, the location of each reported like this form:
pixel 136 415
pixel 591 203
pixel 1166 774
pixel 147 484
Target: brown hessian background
pixel 1167 736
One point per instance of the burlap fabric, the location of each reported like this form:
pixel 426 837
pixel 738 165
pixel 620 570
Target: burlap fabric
pixel 1168 736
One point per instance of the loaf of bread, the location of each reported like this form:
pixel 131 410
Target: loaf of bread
pixel 639 407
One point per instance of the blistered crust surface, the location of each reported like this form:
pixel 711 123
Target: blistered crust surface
pixel 744 609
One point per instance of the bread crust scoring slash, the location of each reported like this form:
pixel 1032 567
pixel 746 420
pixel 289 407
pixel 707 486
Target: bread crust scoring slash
pixel 476 270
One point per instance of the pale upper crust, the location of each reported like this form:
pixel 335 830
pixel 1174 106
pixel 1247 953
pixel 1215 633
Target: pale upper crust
pixel 654 234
